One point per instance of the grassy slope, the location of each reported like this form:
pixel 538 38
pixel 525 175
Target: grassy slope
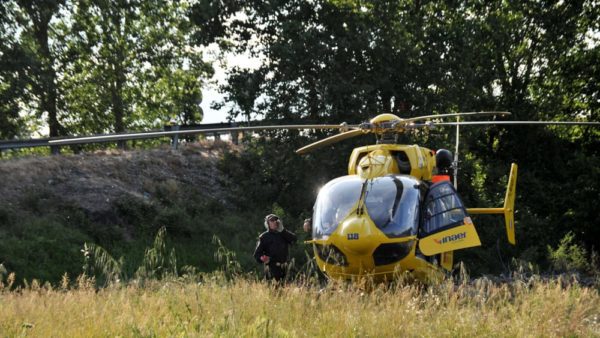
pixel 246 307
pixel 50 206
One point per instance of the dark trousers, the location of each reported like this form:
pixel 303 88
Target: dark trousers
pixel 275 272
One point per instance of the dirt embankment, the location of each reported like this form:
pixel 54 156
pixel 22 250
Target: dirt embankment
pixel 92 181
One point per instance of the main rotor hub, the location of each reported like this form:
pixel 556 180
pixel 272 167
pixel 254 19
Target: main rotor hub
pixel 385 118
pixel 385 126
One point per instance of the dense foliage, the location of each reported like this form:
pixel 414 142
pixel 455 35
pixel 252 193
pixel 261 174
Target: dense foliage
pixel 349 60
pixel 81 66
pixel 87 67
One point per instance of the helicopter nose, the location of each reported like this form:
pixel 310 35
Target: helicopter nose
pixel 356 235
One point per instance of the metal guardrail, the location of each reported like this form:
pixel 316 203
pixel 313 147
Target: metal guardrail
pixel 172 131
pixel 17 144
pixel 45 142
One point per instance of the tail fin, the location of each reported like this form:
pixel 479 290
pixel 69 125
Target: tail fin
pixel 509 206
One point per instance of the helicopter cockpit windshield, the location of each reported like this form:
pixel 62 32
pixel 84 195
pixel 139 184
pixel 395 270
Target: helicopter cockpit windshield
pixel 392 203
pixel 333 204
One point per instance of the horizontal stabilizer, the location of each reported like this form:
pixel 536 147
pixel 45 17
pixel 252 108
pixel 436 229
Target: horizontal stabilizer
pixel 508 210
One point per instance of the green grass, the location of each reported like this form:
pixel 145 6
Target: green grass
pixel 44 239
pixel 210 305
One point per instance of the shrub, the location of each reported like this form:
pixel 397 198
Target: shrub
pixel 134 210
pixel 568 256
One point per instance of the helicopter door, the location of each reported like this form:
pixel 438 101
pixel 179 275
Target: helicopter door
pixel 445 226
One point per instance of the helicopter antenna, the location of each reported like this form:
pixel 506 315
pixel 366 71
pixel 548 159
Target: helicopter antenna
pixel 455 163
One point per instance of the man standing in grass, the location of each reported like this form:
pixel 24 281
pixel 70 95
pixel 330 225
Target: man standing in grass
pixel 272 249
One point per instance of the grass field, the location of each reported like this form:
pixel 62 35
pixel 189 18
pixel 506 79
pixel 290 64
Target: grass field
pixel 246 307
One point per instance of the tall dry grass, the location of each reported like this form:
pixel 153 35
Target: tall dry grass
pixel 250 308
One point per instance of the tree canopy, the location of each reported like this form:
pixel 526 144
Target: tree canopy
pixel 345 60
pixel 102 66
pixel 98 66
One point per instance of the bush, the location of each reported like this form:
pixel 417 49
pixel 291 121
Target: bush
pixel 41 248
pixel 134 210
pixel 568 256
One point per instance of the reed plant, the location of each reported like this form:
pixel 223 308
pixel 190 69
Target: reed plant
pixel 161 300
pixel 216 305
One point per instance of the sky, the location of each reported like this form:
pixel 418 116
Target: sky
pixel 210 93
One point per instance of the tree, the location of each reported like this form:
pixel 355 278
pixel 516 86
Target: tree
pixel 348 60
pixel 14 61
pixel 137 62
pixel 99 66
pixel 29 63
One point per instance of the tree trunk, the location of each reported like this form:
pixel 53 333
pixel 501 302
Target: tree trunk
pixel 118 106
pixel 47 77
pixel 118 81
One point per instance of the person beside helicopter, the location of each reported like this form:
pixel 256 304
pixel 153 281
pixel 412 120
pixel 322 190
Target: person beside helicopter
pixel 272 249
pixel 307 225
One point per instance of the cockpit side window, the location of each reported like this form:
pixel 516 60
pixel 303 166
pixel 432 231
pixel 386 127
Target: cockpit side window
pixel 443 209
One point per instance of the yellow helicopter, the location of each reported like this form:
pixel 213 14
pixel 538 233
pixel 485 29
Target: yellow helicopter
pixel 396 211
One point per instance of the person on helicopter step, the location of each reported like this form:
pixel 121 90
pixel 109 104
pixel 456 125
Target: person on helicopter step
pixel 272 249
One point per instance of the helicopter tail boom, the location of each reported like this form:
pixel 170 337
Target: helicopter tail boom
pixel 509 206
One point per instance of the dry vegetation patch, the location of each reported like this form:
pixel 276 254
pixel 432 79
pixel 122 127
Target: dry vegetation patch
pixel 92 181
pixel 246 307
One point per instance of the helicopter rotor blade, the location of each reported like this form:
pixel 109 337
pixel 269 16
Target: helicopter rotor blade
pixel 483 123
pixel 481 113
pixel 155 134
pixel 400 125
pixel 330 140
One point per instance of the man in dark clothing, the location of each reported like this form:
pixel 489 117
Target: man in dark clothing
pixel 272 248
